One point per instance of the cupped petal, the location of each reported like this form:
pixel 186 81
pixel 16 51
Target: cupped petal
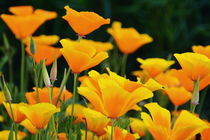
pixel 21 10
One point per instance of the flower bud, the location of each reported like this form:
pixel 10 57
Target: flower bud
pixel 53 73
pixel 6 91
pixel 45 75
pixel 195 94
pixel 32 46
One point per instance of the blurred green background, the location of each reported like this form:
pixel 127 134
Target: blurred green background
pixel 175 25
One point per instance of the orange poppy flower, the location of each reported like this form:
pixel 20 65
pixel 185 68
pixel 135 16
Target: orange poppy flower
pixel 95 121
pixel 194 65
pixel 137 126
pixel 188 83
pixel 62 136
pixel 4 135
pixel 39 114
pixel 205 50
pixel 84 23
pixel 44 49
pixel 112 95
pixel 154 66
pixel 25 20
pixel 205 134
pixel 44 96
pixel 81 56
pixel 29 126
pixel 128 39
pixel 159 124
pixel 18 116
pixel 178 95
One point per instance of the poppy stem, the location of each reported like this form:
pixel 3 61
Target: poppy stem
pixel 93 135
pixel 123 66
pixel 195 96
pixel 203 96
pixel 36 80
pixel 22 68
pixel 174 116
pixel 73 98
pixel 112 130
pixel 13 119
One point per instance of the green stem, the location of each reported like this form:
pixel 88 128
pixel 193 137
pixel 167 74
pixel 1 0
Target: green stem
pixel 22 68
pixel 13 119
pixel 195 96
pixel 36 81
pixel 73 98
pixel 93 135
pixel 86 130
pixel 203 97
pixel 123 66
pixel 192 108
pixel 174 116
pixel 112 130
pixel 10 71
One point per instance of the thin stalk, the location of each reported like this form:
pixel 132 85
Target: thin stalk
pixel 10 71
pixel 86 129
pixel 73 98
pixel 93 135
pixel 13 119
pixel 112 130
pixel 36 81
pixel 203 96
pixel 123 66
pixel 22 68
pixel 192 108
pixel 174 116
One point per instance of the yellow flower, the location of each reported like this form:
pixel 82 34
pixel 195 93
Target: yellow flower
pixel 81 56
pixel 39 114
pixel 111 94
pixel 18 115
pixel 28 125
pixel 95 121
pixel 128 39
pixel 1 118
pixel 25 20
pixel 178 95
pixel 44 49
pixel 154 66
pixel 84 23
pixel 4 135
pixel 137 126
pixel 2 98
pixel 194 65
pixel 205 50
pixel 159 124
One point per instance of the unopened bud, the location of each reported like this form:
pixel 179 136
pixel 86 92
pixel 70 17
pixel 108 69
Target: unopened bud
pixel 6 91
pixel 53 73
pixel 195 94
pixel 32 46
pixel 45 75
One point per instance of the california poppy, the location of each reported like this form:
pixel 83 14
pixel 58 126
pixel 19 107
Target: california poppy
pixel 159 124
pixel 18 115
pixel 205 50
pixel 112 95
pixel 128 39
pixel 44 48
pixel 44 96
pixel 84 23
pixel 81 56
pixel 39 114
pixel 25 20
pixel 29 126
pixel 4 135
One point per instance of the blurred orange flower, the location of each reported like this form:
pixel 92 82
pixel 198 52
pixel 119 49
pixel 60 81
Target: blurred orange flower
pixel 194 65
pixel 81 56
pixel 29 126
pixel 112 95
pixel 128 39
pixel 4 135
pixel 154 66
pixel 44 49
pixel 25 20
pixel 44 96
pixel 178 95
pixel 39 114
pixel 205 50
pixel 84 23
pixel 159 124
pixel 62 136
pixel 18 116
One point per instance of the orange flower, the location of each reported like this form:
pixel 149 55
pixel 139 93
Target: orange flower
pixel 81 56
pixel 112 95
pixel 178 95
pixel 205 134
pixel 62 136
pixel 159 125
pixel 25 21
pixel 202 50
pixel 4 135
pixel 39 114
pixel 154 66
pixel 44 96
pixel 28 125
pixel 18 116
pixel 84 23
pixel 137 126
pixel 2 98
pixel 128 39
pixel 194 65
pixel 44 49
